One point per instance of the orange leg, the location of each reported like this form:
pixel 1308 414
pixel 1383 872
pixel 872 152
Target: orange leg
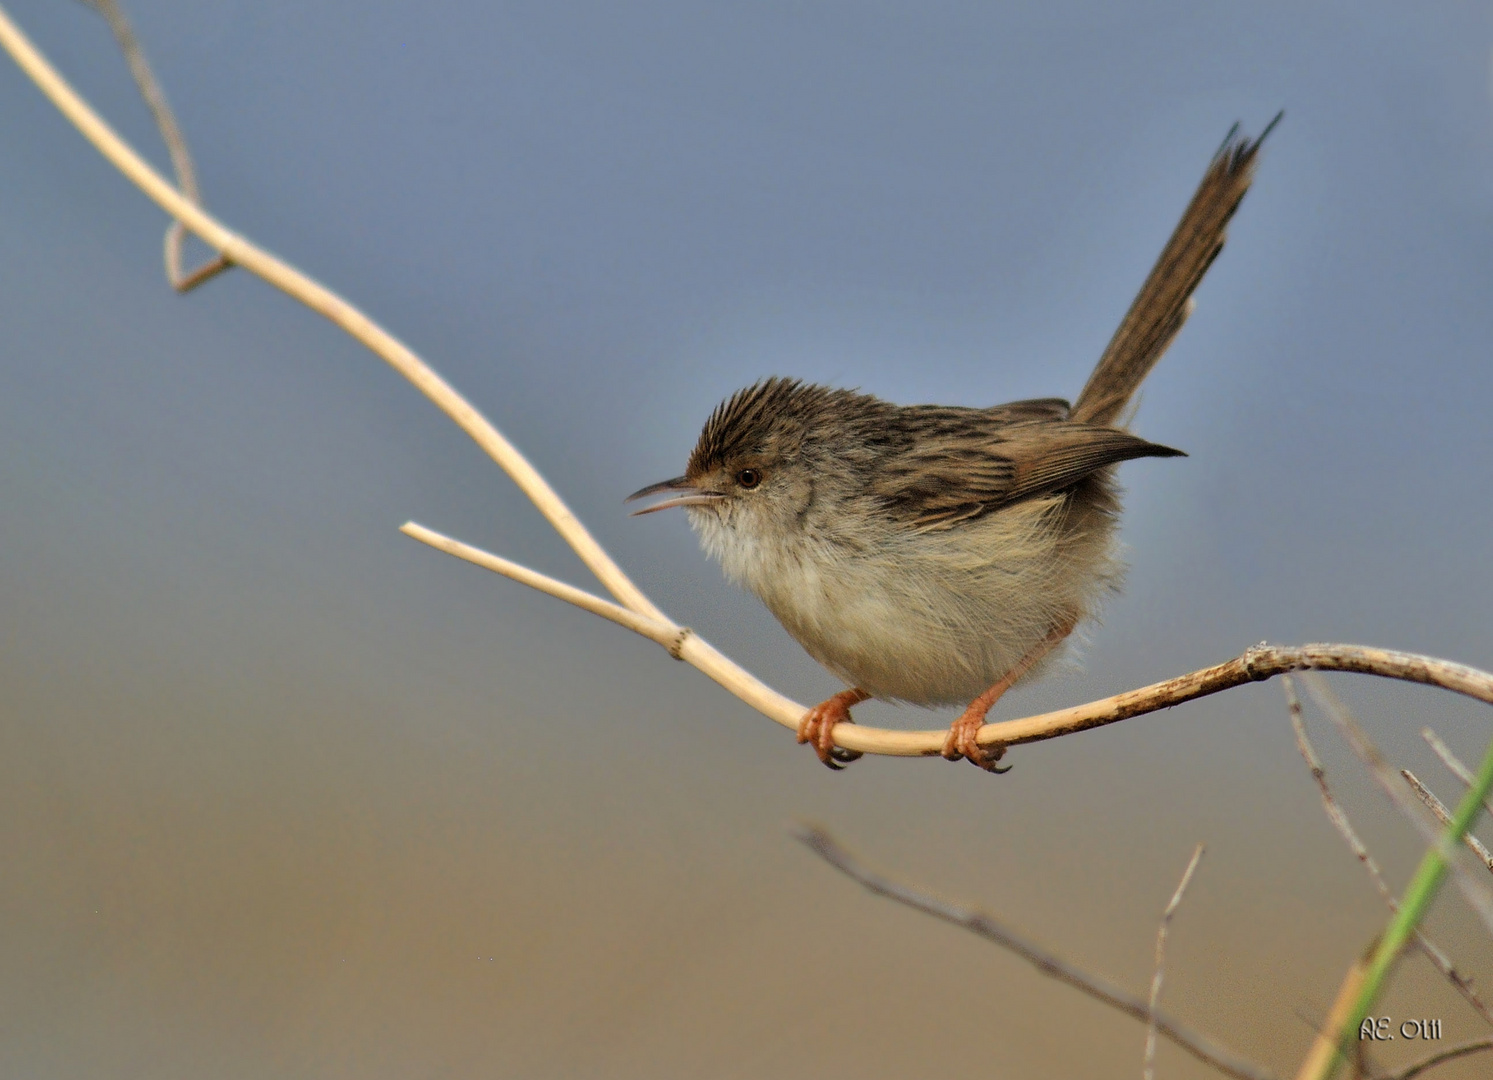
pixel 818 726
pixel 960 742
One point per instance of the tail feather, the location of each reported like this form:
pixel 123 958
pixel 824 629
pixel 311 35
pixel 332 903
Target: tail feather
pixel 1165 300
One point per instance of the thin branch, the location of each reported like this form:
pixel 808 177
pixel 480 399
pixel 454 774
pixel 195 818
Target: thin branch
pixel 1256 664
pixel 1148 1066
pixel 1195 1043
pixel 1451 1053
pixel 662 631
pixel 322 300
pixel 1339 819
pixel 1475 892
pixel 1419 894
pixel 680 641
pixel 1444 816
pixel 1453 763
pixel 171 135
pixel 1335 812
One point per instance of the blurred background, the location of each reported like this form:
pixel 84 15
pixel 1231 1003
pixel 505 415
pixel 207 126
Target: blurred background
pixel 285 793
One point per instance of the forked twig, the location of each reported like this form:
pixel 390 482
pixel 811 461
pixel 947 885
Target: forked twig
pixel 1255 664
pixel 1444 816
pixel 1475 892
pixel 324 302
pixel 1453 763
pixel 1366 980
pixel 977 922
pixel 1339 819
pixel 1148 1067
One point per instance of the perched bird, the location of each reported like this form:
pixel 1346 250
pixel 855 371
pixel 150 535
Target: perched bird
pixel 940 554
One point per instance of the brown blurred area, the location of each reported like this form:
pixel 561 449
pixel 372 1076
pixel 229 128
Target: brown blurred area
pixel 276 867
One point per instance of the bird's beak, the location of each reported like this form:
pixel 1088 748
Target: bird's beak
pixel 686 494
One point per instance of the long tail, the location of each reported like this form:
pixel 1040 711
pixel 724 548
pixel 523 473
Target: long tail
pixel 1165 300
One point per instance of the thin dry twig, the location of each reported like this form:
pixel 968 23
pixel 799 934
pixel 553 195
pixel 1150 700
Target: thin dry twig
pixel 1444 816
pixel 661 631
pixel 322 300
pixel 977 922
pixel 176 146
pixel 1451 1053
pixel 1335 812
pixel 1453 763
pixel 1475 892
pixel 1254 665
pixel 1339 819
pixel 1148 1068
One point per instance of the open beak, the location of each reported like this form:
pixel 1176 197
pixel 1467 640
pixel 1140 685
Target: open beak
pixel 685 494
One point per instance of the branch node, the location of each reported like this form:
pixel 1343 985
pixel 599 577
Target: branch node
pixel 1251 659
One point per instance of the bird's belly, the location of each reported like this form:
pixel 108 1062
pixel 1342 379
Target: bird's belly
pixel 934 625
pixel 932 618
pixel 890 648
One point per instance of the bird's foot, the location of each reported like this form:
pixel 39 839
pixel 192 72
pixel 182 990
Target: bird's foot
pixel 960 741
pixel 818 726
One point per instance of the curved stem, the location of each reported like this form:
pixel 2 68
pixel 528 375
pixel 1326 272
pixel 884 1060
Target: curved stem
pixel 324 301
pixel 1253 665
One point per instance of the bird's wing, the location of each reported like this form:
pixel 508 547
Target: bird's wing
pixel 962 465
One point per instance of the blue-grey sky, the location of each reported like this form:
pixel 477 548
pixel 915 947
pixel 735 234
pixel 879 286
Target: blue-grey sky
pixel 287 793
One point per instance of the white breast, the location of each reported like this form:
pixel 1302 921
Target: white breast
pixel 933 618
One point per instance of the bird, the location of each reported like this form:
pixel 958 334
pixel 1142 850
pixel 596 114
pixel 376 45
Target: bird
pixel 938 555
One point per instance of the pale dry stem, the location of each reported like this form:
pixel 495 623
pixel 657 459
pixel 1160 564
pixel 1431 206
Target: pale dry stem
pixel 1453 763
pixel 1339 819
pixel 1255 664
pixel 323 301
pixel 1444 816
pixel 1472 889
pixel 1148 1066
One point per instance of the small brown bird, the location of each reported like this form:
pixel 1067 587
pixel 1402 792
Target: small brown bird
pixel 939 555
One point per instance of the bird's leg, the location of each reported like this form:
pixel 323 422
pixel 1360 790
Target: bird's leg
pixel 818 726
pixel 960 742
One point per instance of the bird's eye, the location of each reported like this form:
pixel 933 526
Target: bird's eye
pixel 749 478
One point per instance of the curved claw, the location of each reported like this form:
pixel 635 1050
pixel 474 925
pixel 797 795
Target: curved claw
pixel 818 725
pixel 845 757
pixel 960 743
